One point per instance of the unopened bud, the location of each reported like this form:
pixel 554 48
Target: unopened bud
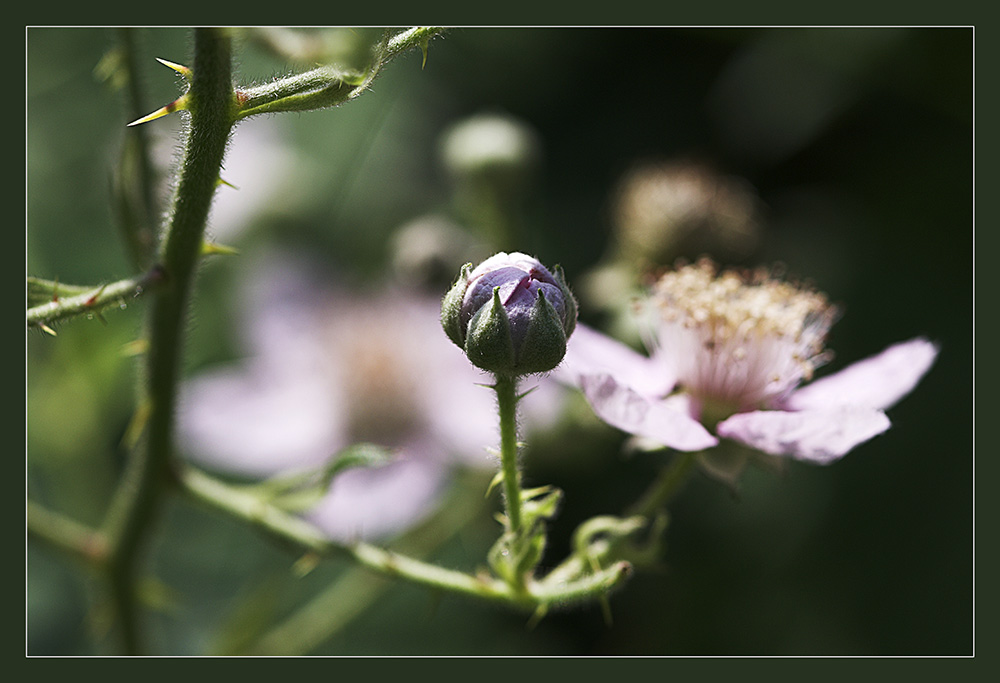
pixel 510 315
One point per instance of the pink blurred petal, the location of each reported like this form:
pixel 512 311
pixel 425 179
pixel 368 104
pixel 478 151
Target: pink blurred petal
pixel 621 407
pixel 819 436
pixel 875 382
pixel 253 422
pixel 589 352
pixel 372 503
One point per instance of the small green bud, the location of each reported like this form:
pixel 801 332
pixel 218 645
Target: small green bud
pixel 510 315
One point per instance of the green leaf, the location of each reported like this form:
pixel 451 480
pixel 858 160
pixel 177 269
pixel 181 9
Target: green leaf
pixel 302 491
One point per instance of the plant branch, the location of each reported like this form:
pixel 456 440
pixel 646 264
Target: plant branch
pixel 85 300
pixel 357 588
pixel 328 85
pixel 133 182
pixel 65 535
pixel 137 499
pixel 506 388
pixel 249 507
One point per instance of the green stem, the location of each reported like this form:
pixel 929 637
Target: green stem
pixel 356 589
pixel 506 388
pixel 328 85
pixel 137 499
pixel 418 36
pixel 665 486
pixel 135 179
pixel 65 534
pixel 91 301
pixel 249 507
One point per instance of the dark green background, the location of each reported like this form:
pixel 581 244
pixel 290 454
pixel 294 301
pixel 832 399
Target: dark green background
pixel 858 141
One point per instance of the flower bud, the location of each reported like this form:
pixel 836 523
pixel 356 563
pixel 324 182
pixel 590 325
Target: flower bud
pixel 510 315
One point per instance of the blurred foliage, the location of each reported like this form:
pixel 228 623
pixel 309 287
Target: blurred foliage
pixel 858 143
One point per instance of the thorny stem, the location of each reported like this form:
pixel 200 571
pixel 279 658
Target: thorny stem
pixel 91 301
pixel 137 499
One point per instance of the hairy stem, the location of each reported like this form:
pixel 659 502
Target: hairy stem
pixel 329 612
pixel 137 499
pixel 506 388
pixel 327 85
pixel 88 301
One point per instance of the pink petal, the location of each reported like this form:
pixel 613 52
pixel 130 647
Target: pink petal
pixel 819 436
pixel 875 382
pixel 621 407
pixel 373 503
pixel 254 422
pixel 588 352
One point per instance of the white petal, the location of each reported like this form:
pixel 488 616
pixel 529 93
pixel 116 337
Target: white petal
pixel 819 436
pixel 588 352
pixel 662 421
pixel 875 382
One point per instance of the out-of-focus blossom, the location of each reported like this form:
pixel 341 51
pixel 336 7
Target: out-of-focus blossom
pixel 428 250
pixel 728 353
pixel 492 160
pixel 328 368
pixel 665 210
pixel 491 147
pixel 660 211
pixel 263 175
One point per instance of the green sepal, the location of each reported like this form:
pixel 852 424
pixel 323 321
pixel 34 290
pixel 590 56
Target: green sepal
pixel 516 554
pixel 544 343
pixel 569 324
pixel 451 307
pixel 488 344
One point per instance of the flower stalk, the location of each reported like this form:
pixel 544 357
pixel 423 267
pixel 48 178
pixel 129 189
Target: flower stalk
pixel 506 389
pixel 666 485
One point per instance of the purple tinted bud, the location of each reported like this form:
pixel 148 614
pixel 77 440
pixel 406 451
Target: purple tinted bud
pixel 510 315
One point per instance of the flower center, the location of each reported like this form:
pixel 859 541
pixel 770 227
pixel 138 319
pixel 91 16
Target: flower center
pixel 743 340
pixel 378 380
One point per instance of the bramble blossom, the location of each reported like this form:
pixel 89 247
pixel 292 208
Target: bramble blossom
pixel 729 353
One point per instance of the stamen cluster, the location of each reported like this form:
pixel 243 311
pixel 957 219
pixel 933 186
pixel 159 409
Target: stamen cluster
pixel 741 339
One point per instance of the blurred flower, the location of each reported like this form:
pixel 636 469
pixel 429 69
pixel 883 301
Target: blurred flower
pixel 510 315
pixel 661 211
pixel 263 176
pixel 428 250
pixel 493 147
pixel 665 210
pixel 327 369
pixel 728 352
pixel 492 160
